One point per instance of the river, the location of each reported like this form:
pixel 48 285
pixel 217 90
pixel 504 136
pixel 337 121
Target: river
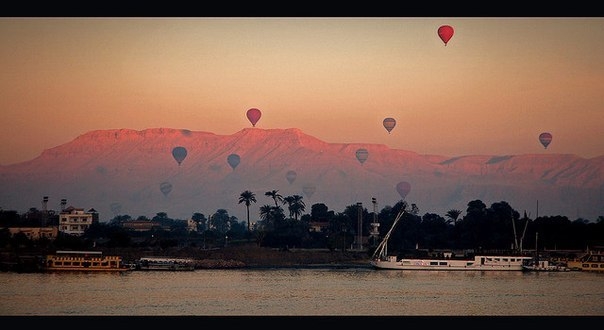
pixel 304 292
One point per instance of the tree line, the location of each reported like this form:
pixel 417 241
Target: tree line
pixel 284 223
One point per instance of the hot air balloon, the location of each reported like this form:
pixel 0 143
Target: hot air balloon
pixel 233 160
pixel 308 190
pixel 403 188
pixel 116 208
pixel 253 115
pixel 389 124
pixel 179 153
pixel 291 176
pixel 445 32
pixel 545 139
pixel 362 155
pixel 165 187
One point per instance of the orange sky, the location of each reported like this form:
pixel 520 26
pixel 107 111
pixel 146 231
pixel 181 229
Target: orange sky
pixel 492 90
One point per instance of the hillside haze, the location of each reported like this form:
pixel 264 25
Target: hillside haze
pixel 121 172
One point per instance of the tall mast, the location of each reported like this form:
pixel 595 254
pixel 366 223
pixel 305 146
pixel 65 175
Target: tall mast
pixel 515 234
pixel 382 249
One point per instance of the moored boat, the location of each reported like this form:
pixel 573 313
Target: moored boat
pixel 537 265
pixel 592 261
pixel 478 262
pixel 164 263
pixel 90 261
pixel 381 259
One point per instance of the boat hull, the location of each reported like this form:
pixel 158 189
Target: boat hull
pixel 479 263
pixel 543 266
pixel 591 262
pixel 164 264
pixel 83 261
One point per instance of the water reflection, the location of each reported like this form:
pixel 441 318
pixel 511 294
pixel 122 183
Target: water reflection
pixel 335 292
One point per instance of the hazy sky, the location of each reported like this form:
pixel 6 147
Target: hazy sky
pixel 491 90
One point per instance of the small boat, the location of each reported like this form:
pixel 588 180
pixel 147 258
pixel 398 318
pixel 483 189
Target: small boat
pixel 381 259
pixel 164 263
pixel 536 265
pixel 592 261
pixel 89 261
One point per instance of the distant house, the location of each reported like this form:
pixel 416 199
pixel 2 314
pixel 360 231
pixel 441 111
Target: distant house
pixel 36 233
pixel 315 226
pixel 75 221
pixel 191 225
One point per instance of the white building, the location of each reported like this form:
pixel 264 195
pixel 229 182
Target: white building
pixel 191 225
pixel 75 221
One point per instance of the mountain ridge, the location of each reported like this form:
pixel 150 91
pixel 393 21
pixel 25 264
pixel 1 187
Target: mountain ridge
pixel 102 169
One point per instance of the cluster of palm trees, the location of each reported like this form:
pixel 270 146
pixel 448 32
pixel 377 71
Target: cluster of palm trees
pixel 271 214
pixel 495 227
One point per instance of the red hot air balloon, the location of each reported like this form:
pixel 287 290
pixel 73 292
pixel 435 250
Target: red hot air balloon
pixel 403 188
pixel 362 155
pixel 545 139
pixel 445 32
pixel 389 124
pixel 253 115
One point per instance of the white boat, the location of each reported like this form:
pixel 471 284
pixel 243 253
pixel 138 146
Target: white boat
pixel 479 262
pixel 536 265
pixel 164 263
pixel 539 264
pixel 381 259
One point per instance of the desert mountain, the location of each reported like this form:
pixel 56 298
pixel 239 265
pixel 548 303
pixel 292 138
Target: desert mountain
pixel 121 171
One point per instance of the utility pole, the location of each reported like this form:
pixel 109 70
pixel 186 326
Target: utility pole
pixel 360 226
pixel 375 233
pixel 44 211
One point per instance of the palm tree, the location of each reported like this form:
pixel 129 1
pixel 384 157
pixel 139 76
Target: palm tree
pixel 295 205
pixel 247 197
pixel 265 212
pixel 274 194
pixel 266 215
pixel 453 214
pixel 271 215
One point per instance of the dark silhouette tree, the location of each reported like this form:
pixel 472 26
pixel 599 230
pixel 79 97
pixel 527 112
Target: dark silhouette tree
pixel 221 221
pixel 320 212
pixel 295 205
pixel 247 197
pixel 200 220
pixel 453 214
pixel 267 216
pixel 274 194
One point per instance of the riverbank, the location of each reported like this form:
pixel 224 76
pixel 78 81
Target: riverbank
pixel 245 255
pixel 251 256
